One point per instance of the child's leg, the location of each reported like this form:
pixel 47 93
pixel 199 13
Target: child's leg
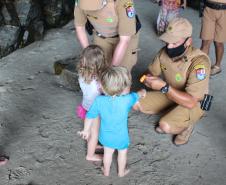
pixel 161 21
pixel 108 152
pixel 92 142
pixel 122 159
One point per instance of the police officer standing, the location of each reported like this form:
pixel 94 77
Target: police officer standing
pixel 113 23
pixel 185 76
pixel 214 29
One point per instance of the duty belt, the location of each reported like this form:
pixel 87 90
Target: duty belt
pixel 103 37
pixel 215 5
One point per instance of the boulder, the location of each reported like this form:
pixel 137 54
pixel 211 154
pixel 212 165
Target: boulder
pixel 26 20
pixel 57 12
pixel 9 36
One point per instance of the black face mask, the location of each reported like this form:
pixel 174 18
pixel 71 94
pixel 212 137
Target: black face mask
pixel 175 52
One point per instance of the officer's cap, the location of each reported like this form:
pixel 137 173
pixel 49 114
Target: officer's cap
pixel 177 29
pixel 91 5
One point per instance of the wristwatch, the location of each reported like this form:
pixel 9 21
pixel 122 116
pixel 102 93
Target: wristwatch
pixel 165 89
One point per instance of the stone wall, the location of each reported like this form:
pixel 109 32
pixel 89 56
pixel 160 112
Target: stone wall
pixel 24 21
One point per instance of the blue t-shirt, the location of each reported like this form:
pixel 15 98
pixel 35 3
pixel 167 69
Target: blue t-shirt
pixel 113 113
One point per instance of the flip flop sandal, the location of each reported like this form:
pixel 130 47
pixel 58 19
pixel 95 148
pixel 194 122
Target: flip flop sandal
pixel 3 160
pixel 215 70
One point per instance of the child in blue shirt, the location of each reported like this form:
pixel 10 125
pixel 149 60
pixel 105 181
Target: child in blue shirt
pixel 112 109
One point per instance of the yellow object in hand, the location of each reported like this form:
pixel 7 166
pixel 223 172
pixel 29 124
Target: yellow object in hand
pixel 142 78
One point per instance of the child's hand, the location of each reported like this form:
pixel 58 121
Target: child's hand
pixel 84 134
pixel 142 93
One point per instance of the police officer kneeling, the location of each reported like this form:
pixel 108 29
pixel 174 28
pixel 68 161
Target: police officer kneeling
pixel 185 73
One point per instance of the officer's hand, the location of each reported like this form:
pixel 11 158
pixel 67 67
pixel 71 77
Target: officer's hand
pixel 154 82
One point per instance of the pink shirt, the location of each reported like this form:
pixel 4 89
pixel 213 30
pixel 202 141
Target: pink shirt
pixel 171 4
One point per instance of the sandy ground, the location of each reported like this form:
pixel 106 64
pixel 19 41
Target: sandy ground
pixel 38 125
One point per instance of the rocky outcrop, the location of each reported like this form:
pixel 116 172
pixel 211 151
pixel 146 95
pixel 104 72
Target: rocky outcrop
pixel 24 21
pixel 57 12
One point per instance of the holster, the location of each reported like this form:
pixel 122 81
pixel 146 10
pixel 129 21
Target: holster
pixel 201 7
pixel 89 27
pixel 138 23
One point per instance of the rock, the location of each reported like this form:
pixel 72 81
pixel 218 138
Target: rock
pixel 57 12
pixel 30 15
pixel 9 36
pixel 68 63
pixel 67 73
pixel 25 20
pixel 27 11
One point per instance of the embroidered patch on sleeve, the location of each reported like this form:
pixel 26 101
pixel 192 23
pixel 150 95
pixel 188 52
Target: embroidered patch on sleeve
pixel 200 72
pixel 130 10
pixel 178 77
pixel 110 20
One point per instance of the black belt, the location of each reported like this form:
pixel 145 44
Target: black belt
pixel 103 37
pixel 215 5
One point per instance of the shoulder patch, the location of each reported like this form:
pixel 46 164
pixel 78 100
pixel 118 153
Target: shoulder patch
pixel 130 10
pixel 199 66
pixel 200 72
pixel 178 77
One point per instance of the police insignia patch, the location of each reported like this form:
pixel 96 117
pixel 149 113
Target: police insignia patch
pixel 200 72
pixel 178 77
pixel 130 11
pixel 110 20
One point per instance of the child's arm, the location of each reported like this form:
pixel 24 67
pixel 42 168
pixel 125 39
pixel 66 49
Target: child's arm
pixel 85 133
pixel 141 93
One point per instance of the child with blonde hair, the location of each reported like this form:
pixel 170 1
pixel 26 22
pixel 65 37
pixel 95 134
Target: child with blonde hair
pixel 169 10
pixel 92 63
pixel 112 109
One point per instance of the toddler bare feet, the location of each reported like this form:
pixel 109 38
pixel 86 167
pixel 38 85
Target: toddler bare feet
pixel 95 157
pixel 104 172
pixel 126 171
